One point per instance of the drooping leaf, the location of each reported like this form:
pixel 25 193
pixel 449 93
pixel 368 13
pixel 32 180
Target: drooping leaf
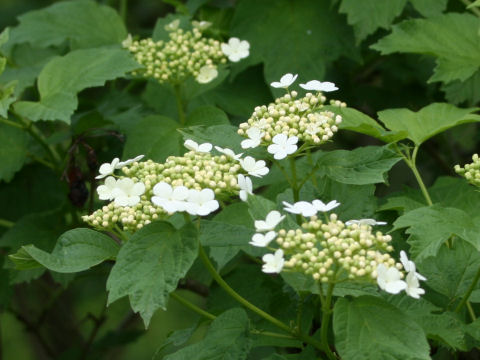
pixel 150 265
pixel 429 8
pixel 13 150
pixel 369 328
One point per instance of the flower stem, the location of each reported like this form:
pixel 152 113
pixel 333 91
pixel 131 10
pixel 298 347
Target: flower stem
pixel 326 315
pixel 192 306
pixel 469 291
pixel 11 123
pixel 295 188
pixel 180 105
pixel 123 10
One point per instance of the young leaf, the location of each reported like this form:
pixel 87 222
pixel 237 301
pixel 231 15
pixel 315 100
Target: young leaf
pixel 150 265
pixel 368 328
pixel 429 8
pixel 13 150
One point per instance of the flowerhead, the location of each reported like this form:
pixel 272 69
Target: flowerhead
pixel 303 208
pixel 285 81
pixel 236 49
pixel 282 146
pixel 127 193
pixel 273 263
pixel 254 138
pixel 413 288
pixel 321 206
pixel 169 198
pixel 192 145
pixel 271 221
pixel 262 240
pixel 319 86
pixel 253 167
pixel 105 191
pixel 229 152
pixel 206 74
pixel 107 168
pixel 245 185
pixel 390 279
pixel 201 202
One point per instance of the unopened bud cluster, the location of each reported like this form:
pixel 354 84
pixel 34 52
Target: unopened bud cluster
pixel 302 117
pixel 332 251
pixel 184 55
pixel 471 171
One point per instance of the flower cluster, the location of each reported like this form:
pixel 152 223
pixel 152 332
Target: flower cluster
pixel 186 53
pixel 471 171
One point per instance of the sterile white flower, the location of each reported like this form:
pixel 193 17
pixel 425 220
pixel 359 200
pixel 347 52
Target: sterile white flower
pixel 282 146
pixel 273 219
pixel 285 81
pixel 192 145
pixel 201 25
pixel 413 288
pixel 389 279
pixel 128 41
pixel 273 262
pixel 254 138
pixel 253 167
pixel 173 25
pixel 169 198
pixel 229 153
pixel 371 222
pixel 127 192
pixel 206 74
pixel 409 266
pixel 301 207
pixel 321 206
pixel 319 86
pixel 262 240
pixel 201 202
pixel 107 168
pixel 236 49
pixel 128 162
pixel 246 187
pixel 105 192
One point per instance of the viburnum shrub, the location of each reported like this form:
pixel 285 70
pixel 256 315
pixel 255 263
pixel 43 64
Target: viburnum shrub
pixel 275 215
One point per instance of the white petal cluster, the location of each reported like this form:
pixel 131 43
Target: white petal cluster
pixel 271 221
pixel 245 185
pixel 236 49
pixel 254 138
pixel 273 263
pixel 285 81
pixel 371 222
pixel 202 148
pixel 319 86
pixel 307 209
pixel 253 167
pixel 283 146
pixel 262 240
pixel 107 169
pixel 124 192
pixel 206 74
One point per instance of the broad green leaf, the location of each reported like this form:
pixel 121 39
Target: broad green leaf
pixel 460 91
pixel 368 328
pixel 220 135
pixel 76 250
pixel 429 227
pixel 4 36
pixel 13 150
pixel 476 3
pixel 63 77
pixel 427 122
pixel 259 207
pixel 7 97
pixel 84 24
pixel 207 115
pixel 150 265
pixel 6 291
pixel 429 8
pixel 368 15
pixel 362 166
pixel 227 339
pixel 282 32
pixel 452 38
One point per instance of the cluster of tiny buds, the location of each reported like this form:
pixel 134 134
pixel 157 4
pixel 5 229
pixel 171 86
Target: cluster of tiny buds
pixel 292 116
pixel 471 171
pixel 330 251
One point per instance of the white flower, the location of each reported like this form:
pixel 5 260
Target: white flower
pixel 409 266
pixel 173 25
pixel 128 41
pixel 371 222
pixel 389 279
pixel 321 206
pixel 201 202
pixel 246 187
pixel 254 137
pixel 128 162
pixel 206 74
pixel 285 81
pixel 253 167
pixel 236 49
pixel 413 288
pixel 105 192
pixel 273 219
pixel 319 86
pixel 229 153
pixel 282 146
pixel 127 193
pixel 107 168
pixel 262 240
pixel 201 25
pixel 273 262
pixel 170 199
pixel 202 148
pixel 312 128
pixel 302 207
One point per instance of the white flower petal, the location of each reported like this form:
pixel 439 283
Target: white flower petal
pixel 273 263
pixel 285 81
pixel 319 86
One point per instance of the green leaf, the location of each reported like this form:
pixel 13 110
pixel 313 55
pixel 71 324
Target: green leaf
pixel 464 91
pixel 13 150
pixel 220 135
pixel 4 36
pixel 226 339
pixel 150 265
pixel 207 115
pixel 63 77
pixel 429 8
pixel 369 15
pixel 76 250
pixel 7 97
pixel 452 38
pixel 429 227
pixel 428 121
pixel 159 32
pixel 368 328
pixel 84 24
pixel 474 4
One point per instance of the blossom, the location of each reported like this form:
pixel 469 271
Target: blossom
pixel 301 207
pixel 236 49
pixel 409 266
pixel 127 193
pixel 321 206
pixel 262 240
pixel 173 25
pixel 246 187
pixel 389 279
pixel 229 153
pixel 206 74
pixel 170 199
pixel 253 167
pixel 285 81
pixel 319 86
pixel 201 202
pixel 201 25
pixel 192 145
pixel 107 168
pixel 273 262
pixel 282 146
pixel 370 222
pixel 413 288
pixel 105 192
pixel 273 219
pixel 254 137
pixel 128 162
pixel 127 42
